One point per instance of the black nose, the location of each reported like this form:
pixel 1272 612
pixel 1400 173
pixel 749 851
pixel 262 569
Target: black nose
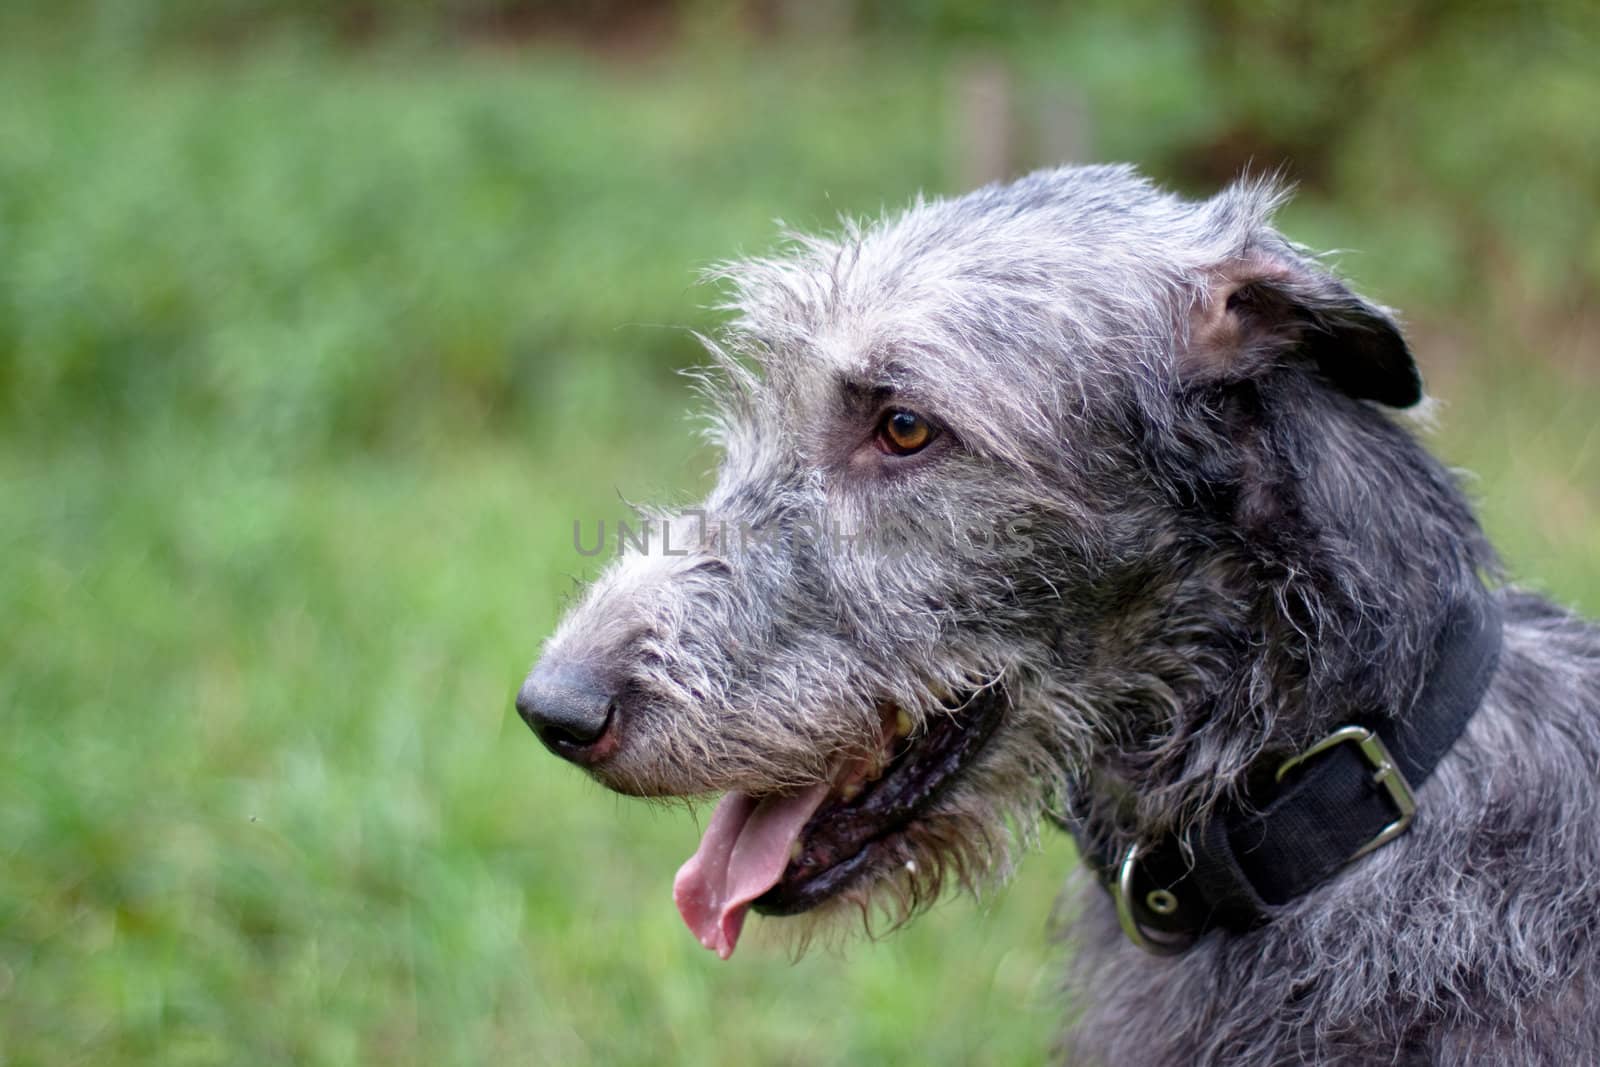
pixel 571 708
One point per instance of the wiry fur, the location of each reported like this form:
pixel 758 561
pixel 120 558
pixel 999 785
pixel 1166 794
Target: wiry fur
pixel 1233 549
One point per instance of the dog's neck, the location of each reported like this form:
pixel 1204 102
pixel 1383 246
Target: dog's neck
pixel 1351 792
pixel 1317 591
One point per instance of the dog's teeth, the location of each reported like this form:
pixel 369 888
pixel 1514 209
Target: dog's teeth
pixel 902 723
pixel 795 851
pixel 911 866
pixel 849 791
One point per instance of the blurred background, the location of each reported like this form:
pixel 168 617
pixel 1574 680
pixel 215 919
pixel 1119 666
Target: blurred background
pixel 321 321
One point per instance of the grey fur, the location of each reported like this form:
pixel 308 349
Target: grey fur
pixel 1233 547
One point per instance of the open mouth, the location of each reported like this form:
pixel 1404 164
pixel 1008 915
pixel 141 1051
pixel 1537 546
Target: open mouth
pixel 785 854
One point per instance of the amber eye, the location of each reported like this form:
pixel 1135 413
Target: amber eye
pixel 904 432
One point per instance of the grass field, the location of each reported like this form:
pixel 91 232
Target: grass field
pixel 306 366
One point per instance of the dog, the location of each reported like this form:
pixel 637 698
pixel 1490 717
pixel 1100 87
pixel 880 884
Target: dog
pixel 1071 502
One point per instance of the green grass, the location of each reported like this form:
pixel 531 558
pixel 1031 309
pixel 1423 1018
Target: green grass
pixel 305 253
pixel 263 796
pixel 306 366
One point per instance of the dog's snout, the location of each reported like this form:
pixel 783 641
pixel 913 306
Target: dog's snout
pixel 572 708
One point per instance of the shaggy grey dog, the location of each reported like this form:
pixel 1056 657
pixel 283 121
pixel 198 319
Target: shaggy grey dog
pixel 1073 501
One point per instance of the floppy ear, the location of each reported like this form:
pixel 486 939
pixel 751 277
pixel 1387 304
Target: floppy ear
pixel 1273 305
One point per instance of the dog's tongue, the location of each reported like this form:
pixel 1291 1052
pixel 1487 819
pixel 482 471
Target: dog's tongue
pixel 742 855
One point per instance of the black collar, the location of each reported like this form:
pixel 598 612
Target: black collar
pixel 1351 792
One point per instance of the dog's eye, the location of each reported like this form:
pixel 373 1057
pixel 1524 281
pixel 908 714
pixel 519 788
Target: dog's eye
pixel 904 432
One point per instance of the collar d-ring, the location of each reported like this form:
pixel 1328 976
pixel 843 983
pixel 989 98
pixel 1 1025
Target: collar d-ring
pixel 1157 946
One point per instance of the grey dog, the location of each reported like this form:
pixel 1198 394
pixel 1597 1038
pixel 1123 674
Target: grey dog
pixel 1073 502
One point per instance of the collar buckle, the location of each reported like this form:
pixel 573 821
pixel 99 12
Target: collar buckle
pixel 1386 774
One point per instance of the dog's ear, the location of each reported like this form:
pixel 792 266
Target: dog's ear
pixel 1271 305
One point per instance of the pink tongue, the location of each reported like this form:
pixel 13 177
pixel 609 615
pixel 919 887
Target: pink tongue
pixel 742 855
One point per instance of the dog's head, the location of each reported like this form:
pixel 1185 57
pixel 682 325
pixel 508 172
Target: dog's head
pixel 1010 488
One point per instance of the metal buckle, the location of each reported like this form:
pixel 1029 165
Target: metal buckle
pixel 1157 946
pixel 1386 775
